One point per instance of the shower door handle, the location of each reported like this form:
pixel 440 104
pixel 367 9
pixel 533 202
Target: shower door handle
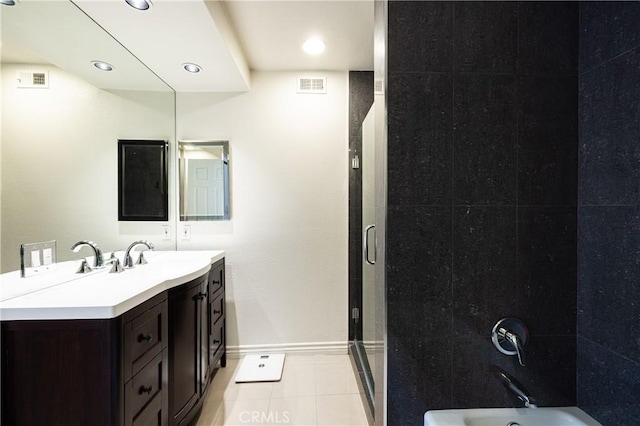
pixel 366 246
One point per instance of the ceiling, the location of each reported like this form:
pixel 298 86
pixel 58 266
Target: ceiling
pixel 226 38
pixel 272 32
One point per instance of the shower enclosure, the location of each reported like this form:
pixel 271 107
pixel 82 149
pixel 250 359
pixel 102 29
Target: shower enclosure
pixel 362 235
pixel 364 342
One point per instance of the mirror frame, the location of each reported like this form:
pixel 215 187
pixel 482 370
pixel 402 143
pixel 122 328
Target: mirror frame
pixel 127 174
pixel 182 180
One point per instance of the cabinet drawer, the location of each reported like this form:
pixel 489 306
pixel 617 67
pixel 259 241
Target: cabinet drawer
pixel 152 415
pixel 217 309
pixel 144 338
pixel 144 386
pixel 217 338
pixel 216 278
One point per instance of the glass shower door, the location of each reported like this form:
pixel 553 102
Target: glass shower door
pixel 367 346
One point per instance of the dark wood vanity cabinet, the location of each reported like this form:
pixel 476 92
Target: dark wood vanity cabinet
pixel 216 348
pixel 186 304
pixel 87 372
pixel 149 366
pixel 145 362
pixel 195 342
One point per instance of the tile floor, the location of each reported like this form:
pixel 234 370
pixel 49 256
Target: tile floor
pixel 314 390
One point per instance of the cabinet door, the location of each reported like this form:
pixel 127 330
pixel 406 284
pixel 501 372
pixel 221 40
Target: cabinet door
pixel 204 346
pixel 184 346
pixel 59 372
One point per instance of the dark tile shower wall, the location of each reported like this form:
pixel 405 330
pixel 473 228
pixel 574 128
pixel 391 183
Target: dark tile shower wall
pixel 609 212
pixel 482 194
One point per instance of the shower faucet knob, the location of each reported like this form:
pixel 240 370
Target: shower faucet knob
pixel 510 336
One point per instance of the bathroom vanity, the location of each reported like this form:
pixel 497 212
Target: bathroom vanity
pixel 134 348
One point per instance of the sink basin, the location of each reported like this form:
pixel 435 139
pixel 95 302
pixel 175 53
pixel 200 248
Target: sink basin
pixel 548 416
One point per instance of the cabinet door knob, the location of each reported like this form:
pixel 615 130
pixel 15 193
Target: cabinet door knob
pixel 144 389
pixel 146 338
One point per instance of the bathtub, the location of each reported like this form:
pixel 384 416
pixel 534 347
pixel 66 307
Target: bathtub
pixel 547 416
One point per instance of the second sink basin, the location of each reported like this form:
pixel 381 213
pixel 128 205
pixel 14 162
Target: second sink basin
pixel 551 416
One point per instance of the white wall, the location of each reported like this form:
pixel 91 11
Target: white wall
pixel 287 240
pixel 60 160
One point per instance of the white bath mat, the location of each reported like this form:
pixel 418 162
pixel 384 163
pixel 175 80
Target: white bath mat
pixel 260 368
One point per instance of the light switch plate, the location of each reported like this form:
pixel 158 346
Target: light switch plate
pixel 36 258
pixel 186 232
pixel 166 232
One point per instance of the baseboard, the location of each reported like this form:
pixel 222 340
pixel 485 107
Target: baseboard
pixel 320 348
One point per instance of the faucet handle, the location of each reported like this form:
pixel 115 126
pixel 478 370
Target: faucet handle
pixel 510 336
pixel 84 267
pixel 515 341
pixel 116 267
pixel 141 259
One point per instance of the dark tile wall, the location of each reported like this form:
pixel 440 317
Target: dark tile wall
pixel 482 195
pixel 609 212
pixel 360 101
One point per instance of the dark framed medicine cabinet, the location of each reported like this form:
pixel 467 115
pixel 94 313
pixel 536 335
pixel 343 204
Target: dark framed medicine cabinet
pixel 142 180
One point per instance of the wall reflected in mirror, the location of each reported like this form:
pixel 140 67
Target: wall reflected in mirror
pixel 59 162
pixel 204 180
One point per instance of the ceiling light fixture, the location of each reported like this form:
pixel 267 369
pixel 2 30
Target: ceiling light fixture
pixel 139 4
pixel 8 2
pixel 193 68
pixel 102 65
pixel 313 46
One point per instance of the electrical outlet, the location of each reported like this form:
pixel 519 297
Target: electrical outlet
pixel 186 232
pixel 166 232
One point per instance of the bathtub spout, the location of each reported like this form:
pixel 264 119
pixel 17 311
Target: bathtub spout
pixel 516 388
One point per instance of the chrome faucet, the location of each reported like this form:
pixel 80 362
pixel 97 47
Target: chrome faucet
pixel 515 388
pixel 510 336
pixel 128 261
pixel 116 267
pixel 515 341
pixel 99 260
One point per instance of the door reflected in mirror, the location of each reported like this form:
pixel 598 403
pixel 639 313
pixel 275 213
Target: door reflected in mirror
pixel 204 180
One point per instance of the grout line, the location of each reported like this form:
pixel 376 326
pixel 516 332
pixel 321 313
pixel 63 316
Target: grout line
pixel 517 143
pixel 452 216
pixel 604 348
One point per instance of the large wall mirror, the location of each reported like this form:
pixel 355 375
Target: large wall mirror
pixel 59 162
pixel 204 180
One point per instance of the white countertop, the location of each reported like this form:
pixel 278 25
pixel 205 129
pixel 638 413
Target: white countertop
pixel 63 294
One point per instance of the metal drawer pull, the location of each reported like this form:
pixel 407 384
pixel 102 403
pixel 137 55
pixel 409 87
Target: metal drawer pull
pixel 200 296
pixel 145 389
pixel 216 341
pixel 215 311
pixel 146 338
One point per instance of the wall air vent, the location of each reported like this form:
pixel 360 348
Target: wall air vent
pixel 33 79
pixel 312 85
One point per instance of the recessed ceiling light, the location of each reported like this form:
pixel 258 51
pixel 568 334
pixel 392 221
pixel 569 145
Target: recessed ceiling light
pixel 102 65
pixel 8 2
pixel 139 4
pixel 191 67
pixel 313 46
